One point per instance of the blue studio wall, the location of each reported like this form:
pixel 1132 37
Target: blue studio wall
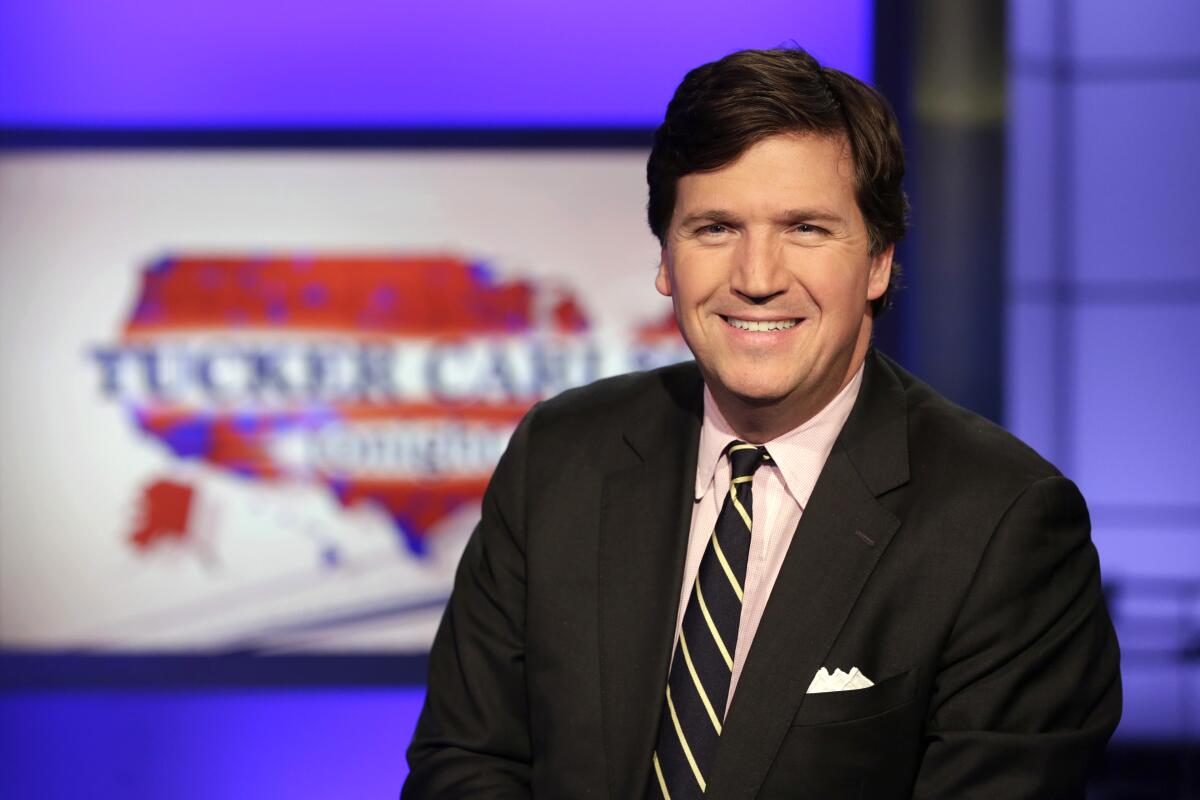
pixel 1104 313
pixel 367 63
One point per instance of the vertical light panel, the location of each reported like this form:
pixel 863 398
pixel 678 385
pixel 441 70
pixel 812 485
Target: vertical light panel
pixel 1104 309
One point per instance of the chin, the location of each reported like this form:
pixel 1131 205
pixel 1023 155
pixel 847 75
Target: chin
pixel 760 400
pixel 760 394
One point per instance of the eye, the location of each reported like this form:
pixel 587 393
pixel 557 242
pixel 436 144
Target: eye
pixel 712 229
pixel 804 227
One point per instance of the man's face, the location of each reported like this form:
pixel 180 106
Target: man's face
pixel 767 264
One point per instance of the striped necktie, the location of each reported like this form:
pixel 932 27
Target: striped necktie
pixel 698 687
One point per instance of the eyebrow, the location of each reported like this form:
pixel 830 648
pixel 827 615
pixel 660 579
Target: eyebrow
pixel 711 215
pixel 791 216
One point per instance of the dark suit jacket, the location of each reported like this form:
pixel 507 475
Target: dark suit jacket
pixel 939 555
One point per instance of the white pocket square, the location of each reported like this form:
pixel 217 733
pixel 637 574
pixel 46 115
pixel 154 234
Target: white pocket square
pixel 839 681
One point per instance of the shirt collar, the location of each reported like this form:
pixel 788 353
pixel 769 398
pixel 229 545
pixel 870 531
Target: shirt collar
pixel 800 453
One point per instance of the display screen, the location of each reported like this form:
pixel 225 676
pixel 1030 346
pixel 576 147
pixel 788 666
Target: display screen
pixel 260 395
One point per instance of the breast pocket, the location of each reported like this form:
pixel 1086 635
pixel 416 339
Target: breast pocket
pixel 826 708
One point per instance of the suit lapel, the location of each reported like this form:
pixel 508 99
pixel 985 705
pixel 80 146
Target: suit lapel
pixel 645 519
pixel 842 534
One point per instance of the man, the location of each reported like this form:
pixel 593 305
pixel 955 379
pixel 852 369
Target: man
pixel 789 569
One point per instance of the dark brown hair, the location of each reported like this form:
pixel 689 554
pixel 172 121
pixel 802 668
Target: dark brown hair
pixel 722 108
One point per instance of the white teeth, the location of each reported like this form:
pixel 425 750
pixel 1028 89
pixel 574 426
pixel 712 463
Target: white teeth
pixel 752 325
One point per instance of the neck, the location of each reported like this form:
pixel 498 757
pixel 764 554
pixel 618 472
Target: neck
pixel 759 421
pixel 759 424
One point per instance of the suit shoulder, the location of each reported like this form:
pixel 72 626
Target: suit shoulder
pixel 950 442
pixel 610 403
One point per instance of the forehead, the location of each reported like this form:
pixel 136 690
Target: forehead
pixel 789 169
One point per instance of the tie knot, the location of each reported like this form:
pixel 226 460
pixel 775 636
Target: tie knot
pixel 744 459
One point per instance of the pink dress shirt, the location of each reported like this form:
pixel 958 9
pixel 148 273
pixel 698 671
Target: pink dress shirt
pixel 781 491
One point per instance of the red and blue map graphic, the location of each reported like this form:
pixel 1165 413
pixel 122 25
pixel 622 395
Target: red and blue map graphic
pixel 388 380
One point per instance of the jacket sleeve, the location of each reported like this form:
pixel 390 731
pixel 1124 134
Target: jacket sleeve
pixel 1029 690
pixel 472 738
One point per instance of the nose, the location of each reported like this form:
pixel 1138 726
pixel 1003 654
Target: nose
pixel 758 273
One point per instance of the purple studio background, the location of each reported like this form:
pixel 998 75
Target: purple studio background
pixel 1103 299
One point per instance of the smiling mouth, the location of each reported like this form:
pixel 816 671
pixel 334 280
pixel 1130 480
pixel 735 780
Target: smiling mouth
pixel 761 326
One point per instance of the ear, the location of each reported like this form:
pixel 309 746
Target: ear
pixel 662 281
pixel 880 274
